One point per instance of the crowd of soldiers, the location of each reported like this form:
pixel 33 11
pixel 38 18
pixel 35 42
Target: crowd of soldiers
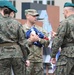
pixel 21 45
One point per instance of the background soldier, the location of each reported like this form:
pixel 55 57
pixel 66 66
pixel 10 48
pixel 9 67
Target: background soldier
pixel 35 56
pixel 13 45
pixel 65 39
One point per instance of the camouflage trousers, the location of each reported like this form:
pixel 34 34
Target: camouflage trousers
pixel 16 64
pixel 65 66
pixel 36 68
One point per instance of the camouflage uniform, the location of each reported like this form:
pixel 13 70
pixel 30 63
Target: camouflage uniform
pixel 12 43
pixel 65 40
pixel 35 56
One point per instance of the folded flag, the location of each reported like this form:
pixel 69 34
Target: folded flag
pixel 37 32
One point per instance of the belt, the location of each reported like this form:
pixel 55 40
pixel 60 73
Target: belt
pixel 7 44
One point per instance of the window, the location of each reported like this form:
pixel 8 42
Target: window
pixel 50 2
pixel 35 1
pixel 40 2
pixel 72 1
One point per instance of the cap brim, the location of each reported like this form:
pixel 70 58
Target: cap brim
pixel 36 14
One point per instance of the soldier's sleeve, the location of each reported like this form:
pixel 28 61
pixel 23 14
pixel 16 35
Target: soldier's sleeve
pixel 58 40
pixel 44 42
pixel 29 43
pixel 23 42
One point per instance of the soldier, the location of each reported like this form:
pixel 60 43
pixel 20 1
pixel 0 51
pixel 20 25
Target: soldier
pixel 13 45
pixel 35 56
pixel 65 39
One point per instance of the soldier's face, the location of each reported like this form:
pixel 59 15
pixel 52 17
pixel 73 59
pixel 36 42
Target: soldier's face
pixel 12 14
pixel 32 18
pixel 64 14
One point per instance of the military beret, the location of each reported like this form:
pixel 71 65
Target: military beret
pixel 8 5
pixel 67 4
pixel 32 12
pixel 1 3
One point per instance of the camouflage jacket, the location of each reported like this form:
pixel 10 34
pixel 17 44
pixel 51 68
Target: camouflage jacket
pixel 12 38
pixel 35 51
pixel 64 38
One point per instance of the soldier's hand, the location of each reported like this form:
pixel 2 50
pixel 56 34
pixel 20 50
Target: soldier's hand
pixel 27 63
pixel 34 37
pixel 53 60
pixel 53 34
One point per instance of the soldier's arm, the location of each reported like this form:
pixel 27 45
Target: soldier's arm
pixel 23 42
pixel 27 34
pixel 58 39
pixel 44 41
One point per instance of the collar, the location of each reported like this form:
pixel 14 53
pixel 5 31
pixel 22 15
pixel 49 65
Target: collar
pixel 27 27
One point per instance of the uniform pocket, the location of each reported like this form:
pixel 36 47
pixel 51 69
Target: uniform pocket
pixel 62 61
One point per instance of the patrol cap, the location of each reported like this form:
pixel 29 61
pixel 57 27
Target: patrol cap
pixel 68 4
pixel 32 12
pixel 8 5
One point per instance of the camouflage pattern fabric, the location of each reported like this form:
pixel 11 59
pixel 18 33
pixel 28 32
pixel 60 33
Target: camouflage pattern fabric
pixel 11 32
pixel 36 68
pixel 64 39
pixel 17 65
pixel 35 51
pixel 12 43
pixel 65 66
pixel 35 55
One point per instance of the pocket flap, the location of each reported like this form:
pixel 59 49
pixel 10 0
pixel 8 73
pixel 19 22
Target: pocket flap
pixel 61 63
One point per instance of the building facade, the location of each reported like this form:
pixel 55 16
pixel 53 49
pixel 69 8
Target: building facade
pixel 59 3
